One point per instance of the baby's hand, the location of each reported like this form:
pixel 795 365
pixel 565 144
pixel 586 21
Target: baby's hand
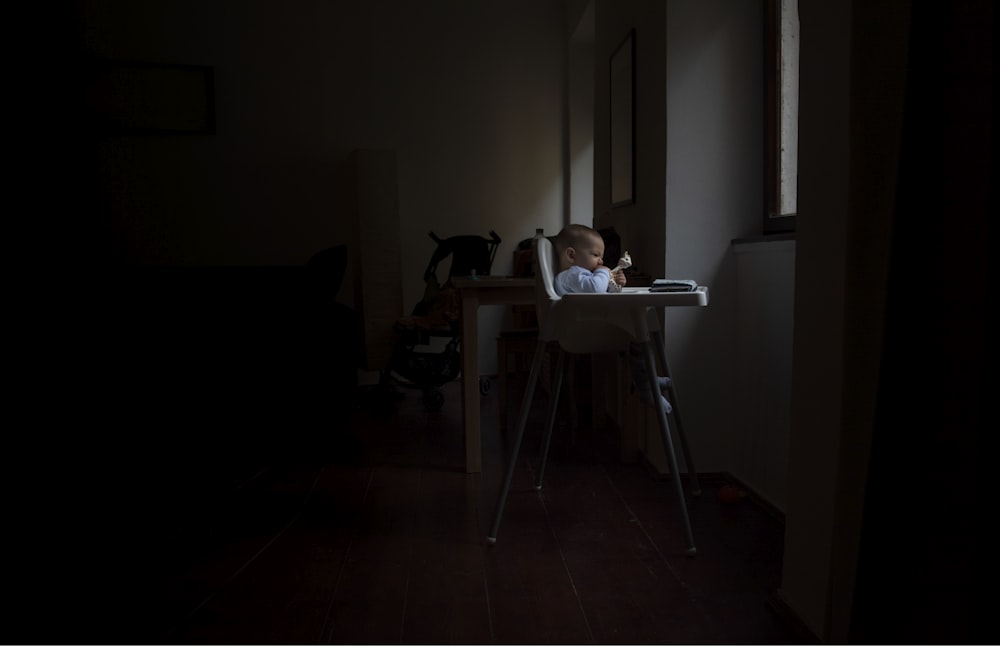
pixel 619 277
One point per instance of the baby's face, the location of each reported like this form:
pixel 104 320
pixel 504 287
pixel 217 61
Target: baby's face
pixel 590 255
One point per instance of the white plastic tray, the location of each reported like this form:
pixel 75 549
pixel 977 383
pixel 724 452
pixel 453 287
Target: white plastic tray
pixel 640 297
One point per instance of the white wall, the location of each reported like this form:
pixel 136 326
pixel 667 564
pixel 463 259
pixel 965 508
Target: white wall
pixel 850 118
pixel 581 61
pixel 640 225
pixel 698 183
pixel 713 195
pixel 470 95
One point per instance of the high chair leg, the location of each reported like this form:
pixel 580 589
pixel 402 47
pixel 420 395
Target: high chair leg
pixel 522 422
pixel 668 445
pixel 553 407
pixel 671 388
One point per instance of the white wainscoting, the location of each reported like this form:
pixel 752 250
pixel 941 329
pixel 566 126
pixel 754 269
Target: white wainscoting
pixel 765 275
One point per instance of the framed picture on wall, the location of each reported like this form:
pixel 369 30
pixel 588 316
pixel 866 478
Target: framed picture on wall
pixel 622 92
pixel 131 97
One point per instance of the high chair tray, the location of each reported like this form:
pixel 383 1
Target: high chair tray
pixel 640 297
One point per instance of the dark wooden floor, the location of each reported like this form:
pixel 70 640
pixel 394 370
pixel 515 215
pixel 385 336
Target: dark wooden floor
pixel 380 540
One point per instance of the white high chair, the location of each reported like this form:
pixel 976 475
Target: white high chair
pixel 589 323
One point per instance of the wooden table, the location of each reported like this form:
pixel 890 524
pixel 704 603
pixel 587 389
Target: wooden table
pixel 483 290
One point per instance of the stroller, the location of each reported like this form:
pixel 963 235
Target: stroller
pixel 426 351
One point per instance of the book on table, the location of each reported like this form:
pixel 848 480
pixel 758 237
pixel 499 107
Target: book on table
pixel 673 285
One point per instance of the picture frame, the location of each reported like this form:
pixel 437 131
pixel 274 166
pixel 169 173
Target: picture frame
pixel 622 117
pixel 133 97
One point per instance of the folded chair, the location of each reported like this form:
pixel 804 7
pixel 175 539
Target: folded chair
pixel 585 324
pixel 436 318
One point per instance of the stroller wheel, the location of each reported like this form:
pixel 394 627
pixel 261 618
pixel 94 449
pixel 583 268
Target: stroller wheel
pixel 433 399
pixel 485 385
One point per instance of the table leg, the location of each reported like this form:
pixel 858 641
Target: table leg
pixel 470 382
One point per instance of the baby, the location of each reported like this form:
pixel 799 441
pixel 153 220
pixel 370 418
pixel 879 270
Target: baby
pixel 580 253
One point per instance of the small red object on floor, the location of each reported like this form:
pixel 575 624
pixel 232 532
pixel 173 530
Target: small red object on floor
pixel 731 494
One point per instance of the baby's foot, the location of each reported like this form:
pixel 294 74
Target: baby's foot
pixel 648 401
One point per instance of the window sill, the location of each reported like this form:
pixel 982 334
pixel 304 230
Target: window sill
pixel 772 242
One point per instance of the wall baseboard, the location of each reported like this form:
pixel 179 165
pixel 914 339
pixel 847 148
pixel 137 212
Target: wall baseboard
pixel 719 478
pixel 787 616
pixel 759 498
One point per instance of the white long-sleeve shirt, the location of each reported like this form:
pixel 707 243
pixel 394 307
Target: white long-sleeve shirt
pixel 576 280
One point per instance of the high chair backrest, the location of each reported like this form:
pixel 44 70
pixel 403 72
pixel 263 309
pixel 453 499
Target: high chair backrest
pixel 543 260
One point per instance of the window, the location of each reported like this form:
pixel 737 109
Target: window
pixel 782 115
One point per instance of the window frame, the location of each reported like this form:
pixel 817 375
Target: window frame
pixel 772 221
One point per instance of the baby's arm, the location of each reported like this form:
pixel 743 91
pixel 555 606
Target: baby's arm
pixel 582 281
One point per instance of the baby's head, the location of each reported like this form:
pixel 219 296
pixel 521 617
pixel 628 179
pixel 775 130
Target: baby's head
pixel 581 246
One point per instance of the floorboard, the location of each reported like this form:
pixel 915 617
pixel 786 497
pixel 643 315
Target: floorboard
pixel 384 543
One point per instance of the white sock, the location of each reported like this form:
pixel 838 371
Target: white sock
pixel 647 400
